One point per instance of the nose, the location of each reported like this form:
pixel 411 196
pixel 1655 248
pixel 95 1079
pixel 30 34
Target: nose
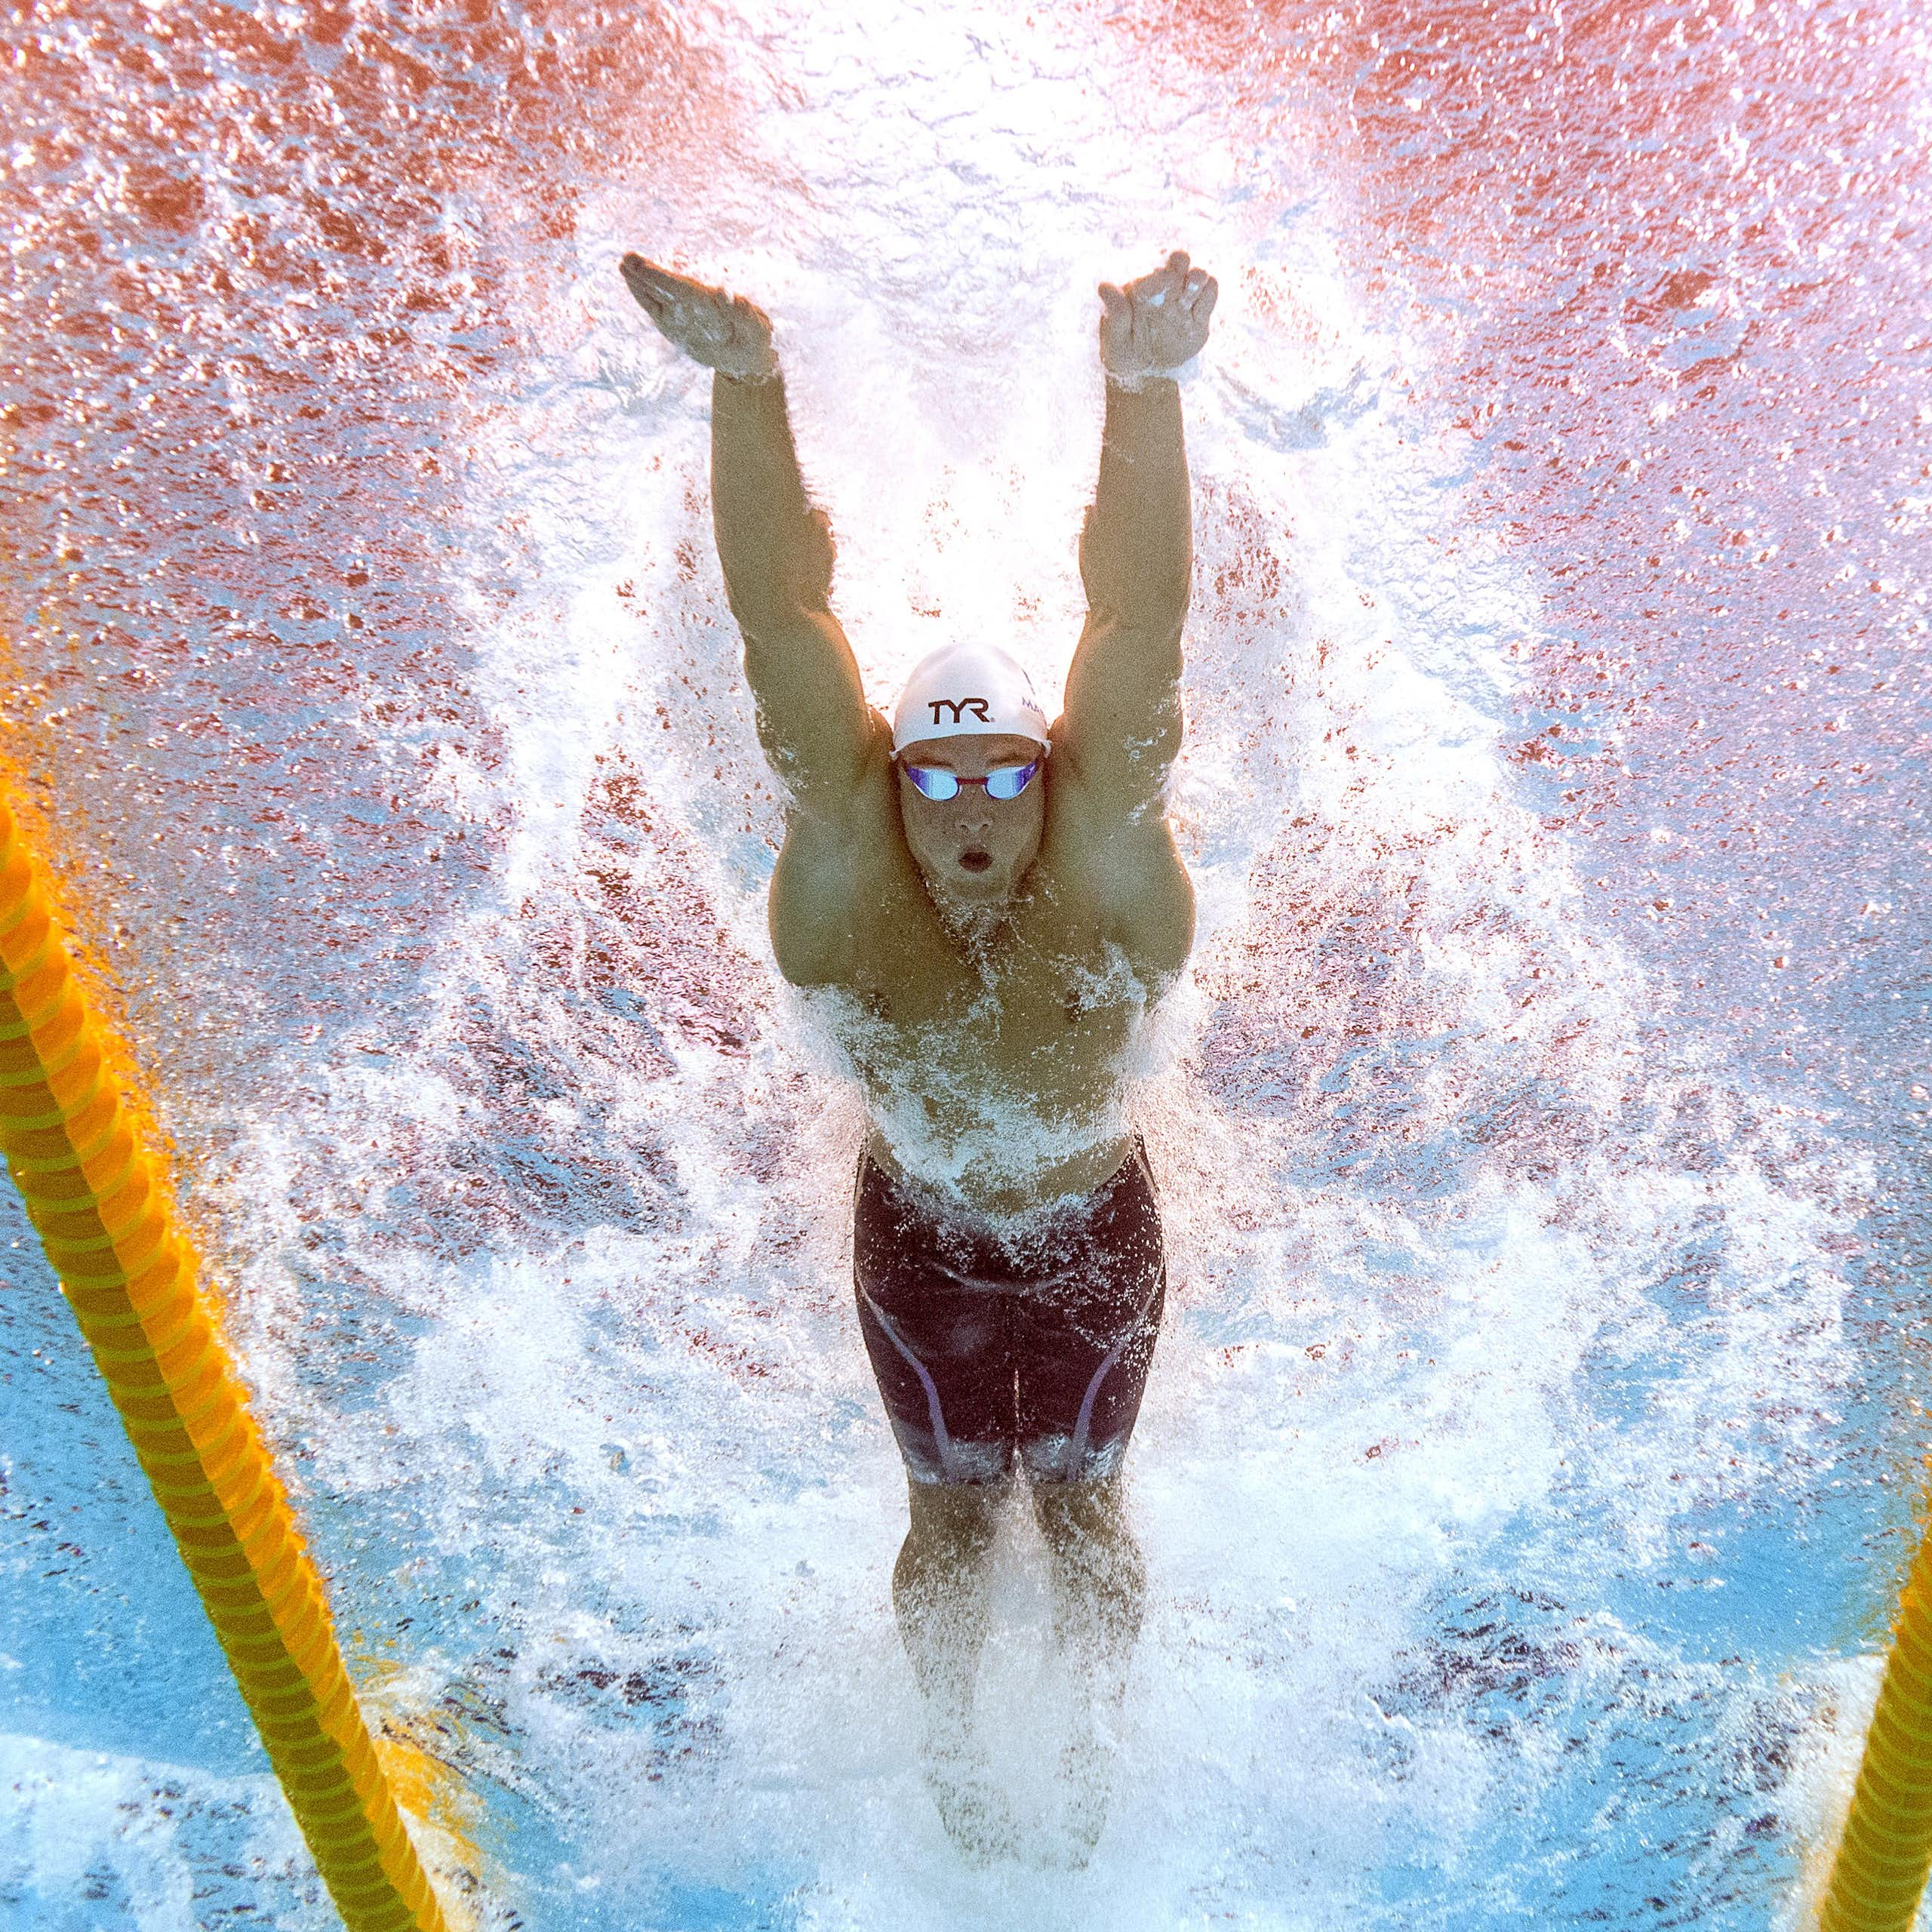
pixel 975 812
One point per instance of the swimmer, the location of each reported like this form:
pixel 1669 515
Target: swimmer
pixel 992 903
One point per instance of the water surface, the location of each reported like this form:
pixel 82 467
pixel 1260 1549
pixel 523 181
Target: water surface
pixel 1528 1465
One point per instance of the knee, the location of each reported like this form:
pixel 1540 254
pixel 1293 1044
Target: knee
pixel 958 1519
pixel 1085 1523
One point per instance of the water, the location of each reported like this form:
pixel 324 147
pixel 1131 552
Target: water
pixel 1528 1465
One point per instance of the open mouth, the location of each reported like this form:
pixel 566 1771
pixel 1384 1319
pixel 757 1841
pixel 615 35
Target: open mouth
pixel 976 861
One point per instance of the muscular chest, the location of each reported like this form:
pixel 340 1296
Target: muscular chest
pixel 1049 992
pixel 1042 1009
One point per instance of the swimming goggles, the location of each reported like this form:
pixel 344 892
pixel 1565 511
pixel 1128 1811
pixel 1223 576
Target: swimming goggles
pixel 1004 781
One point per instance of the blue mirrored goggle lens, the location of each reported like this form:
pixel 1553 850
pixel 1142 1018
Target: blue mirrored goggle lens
pixel 1008 781
pixel 1004 782
pixel 932 783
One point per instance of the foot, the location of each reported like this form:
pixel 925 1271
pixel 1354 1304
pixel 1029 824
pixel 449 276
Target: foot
pixel 970 1805
pixel 1090 1790
pixel 1087 1771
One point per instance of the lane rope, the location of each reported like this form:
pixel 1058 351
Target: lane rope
pixel 1886 1849
pixel 97 1200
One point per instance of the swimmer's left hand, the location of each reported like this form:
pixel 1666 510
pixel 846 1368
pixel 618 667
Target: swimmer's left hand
pixel 1158 322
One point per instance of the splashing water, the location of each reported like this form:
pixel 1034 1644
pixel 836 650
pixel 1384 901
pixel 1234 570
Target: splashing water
pixel 1526 1465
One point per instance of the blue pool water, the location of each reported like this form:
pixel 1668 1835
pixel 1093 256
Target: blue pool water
pixel 1530 1460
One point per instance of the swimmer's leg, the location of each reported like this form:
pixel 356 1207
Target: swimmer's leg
pixel 1100 1578
pixel 1100 1588
pixel 941 1588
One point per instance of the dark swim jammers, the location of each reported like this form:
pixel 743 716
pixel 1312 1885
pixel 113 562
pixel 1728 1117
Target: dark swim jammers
pixel 983 1346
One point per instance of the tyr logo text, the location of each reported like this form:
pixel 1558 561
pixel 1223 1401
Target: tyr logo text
pixel 959 707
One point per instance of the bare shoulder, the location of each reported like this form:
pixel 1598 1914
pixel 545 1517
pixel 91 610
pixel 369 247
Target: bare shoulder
pixel 1124 865
pixel 840 858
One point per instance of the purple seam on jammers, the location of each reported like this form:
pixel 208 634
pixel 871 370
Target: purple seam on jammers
pixel 951 1465
pixel 919 1369
pixel 895 1250
pixel 1112 1356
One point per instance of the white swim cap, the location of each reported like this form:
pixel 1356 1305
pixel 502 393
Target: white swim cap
pixel 962 688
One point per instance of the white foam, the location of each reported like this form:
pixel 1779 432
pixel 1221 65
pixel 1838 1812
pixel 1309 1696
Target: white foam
pixel 1424 1166
pixel 90 1838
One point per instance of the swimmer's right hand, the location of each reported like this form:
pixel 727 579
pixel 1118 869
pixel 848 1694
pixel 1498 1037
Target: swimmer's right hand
pixel 724 332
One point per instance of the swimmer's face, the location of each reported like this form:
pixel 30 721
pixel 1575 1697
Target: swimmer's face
pixel 973 849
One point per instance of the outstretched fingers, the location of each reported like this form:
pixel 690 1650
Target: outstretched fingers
pixel 1168 283
pixel 650 275
pixel 660 293
pixel 651 288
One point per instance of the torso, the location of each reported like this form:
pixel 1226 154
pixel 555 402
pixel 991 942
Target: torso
pixel 994 1076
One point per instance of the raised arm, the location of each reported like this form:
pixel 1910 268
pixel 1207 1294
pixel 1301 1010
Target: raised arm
pixel 775 548
pixel 1122 725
